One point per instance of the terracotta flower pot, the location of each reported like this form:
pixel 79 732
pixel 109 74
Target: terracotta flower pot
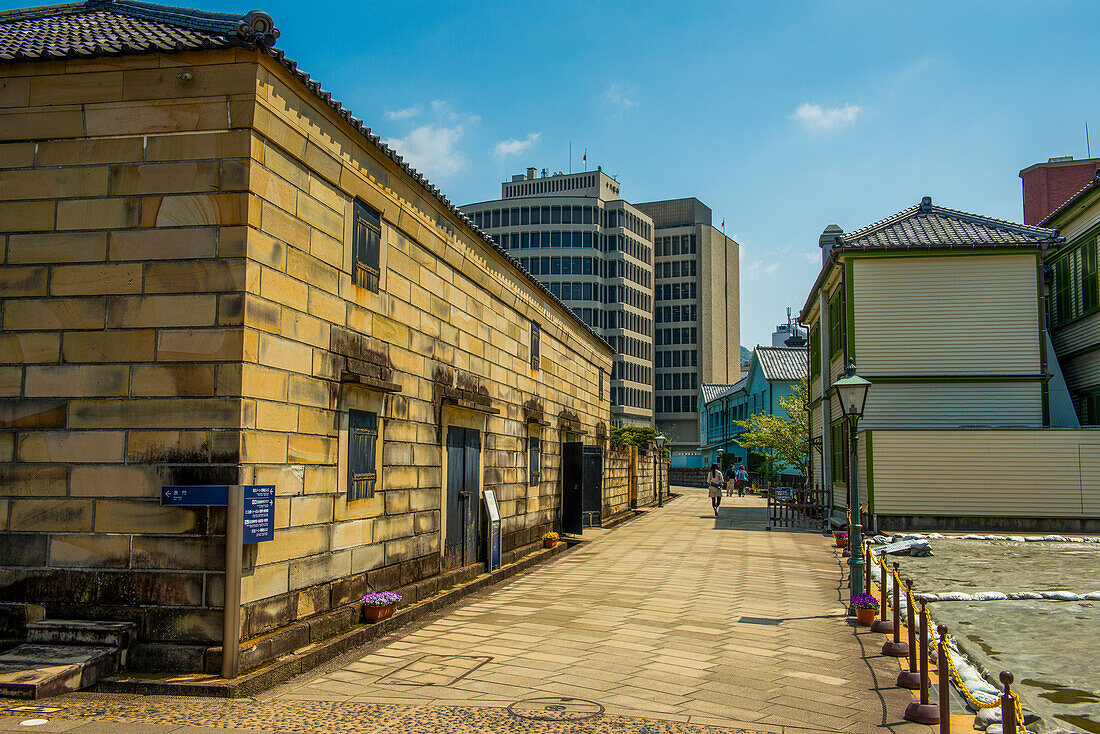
pixel 547 543
pixel 840 542
pixel 376 613
pixel 866 617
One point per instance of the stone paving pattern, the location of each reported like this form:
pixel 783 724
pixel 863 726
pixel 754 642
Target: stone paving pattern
pixel 674 622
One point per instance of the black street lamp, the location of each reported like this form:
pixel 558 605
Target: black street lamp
pixel 658 459
pixel 851 392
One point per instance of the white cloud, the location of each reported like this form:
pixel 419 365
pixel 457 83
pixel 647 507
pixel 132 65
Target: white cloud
pixel 816 117
pixel 513 147
pixel 618 97
pixel 403 114
pixel 433 147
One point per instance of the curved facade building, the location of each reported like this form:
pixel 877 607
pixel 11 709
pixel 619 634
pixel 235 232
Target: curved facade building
pixel 593 250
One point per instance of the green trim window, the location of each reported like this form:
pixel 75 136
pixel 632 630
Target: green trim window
pixel 838 452
pixel 1075 291
pixel 362 453
pixel 836 324
pixel 366 243
pixel 815 351
pixel 1089 407
pixel 534 454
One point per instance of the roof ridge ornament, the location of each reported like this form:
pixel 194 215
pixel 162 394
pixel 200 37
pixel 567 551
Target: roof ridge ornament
pixel 257 27
pixel 926 204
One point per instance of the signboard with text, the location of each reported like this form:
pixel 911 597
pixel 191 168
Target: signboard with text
pixel 493 513
pixel 259 505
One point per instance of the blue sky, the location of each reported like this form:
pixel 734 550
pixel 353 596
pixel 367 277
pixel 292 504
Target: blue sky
pixel 783 117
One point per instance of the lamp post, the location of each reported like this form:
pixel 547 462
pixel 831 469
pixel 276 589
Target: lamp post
pixel 658 459
pixel 851 393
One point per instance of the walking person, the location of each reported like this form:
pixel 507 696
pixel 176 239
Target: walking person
pixel 731 480
pixel 742 479
pixel 714 480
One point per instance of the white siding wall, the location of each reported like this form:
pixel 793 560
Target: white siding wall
pixel 954 405
pixel 950 315
pixel 987 473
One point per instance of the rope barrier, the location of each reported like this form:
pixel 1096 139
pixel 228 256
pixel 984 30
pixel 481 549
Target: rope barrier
pixel 953 671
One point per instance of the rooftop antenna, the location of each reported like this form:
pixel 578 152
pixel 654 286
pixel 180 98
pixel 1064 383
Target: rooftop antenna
pixel 1088 148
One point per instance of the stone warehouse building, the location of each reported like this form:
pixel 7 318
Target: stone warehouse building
pixel 214 274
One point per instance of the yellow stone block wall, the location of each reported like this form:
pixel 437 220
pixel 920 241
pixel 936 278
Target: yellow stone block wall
pixel 450 314
pixel 176 306
pixel 123 222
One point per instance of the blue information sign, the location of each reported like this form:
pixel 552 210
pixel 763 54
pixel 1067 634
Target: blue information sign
pixel 259 505
pixel 259 513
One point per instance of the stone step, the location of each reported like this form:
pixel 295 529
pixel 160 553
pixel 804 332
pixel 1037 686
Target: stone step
pixel 37 671
pixel 82 632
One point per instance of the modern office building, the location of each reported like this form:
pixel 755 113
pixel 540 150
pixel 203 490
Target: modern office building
pixel 593 250
pixel 696 318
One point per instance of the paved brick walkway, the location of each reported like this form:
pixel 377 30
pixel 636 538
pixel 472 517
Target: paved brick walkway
pixel 674 622
pixel 676 616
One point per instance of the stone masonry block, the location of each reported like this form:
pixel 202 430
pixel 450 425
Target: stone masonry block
pixel 91 280
pixel 149 588
pixel 171 311
pixel 51 515
pixel 164 178
pixel 70 550
pixel 390 528
pixel 185 447
pixel 137 516
pixel 285 354
pixel 28 480
pixel 16 155
pixel 53 183
pixel 21 281
pixel 23 549
pixel 82 151
pixel 306 572
pixel 293 543
pixel 305 449
pixel 153 116
pixel 57 248
pixel 114 480
pixel 181 380
pixel 278 288
pixel 352 534
pixel 154 413
pixel 21 413
pixel 216 146
pixel 71 446
pixel 367 557
pixel 98 213
pixel 397 501
pixel 29 348
pixel 108 346
pixel 185 553
pixel 198 276
pixel 160 244
pixel 83 380
pixel 265 581
pixel 194 210
pixel 261 447
pixel 58 122
pixel 53 89
pixel 311 510
pixel 200 345
pixel 55 313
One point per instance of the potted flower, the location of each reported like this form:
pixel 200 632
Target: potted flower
pixel 549 540
pixel 840 538
pixel 866 606
pixel 379 605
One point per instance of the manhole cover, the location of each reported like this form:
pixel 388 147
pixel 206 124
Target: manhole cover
pixel 554 708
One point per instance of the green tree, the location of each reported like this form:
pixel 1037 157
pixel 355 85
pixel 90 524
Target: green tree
pixel 782 439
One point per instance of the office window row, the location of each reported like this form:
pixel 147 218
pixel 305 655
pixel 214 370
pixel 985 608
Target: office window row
pixel 630 222
pixel 631 297
pixel 550 185
pixel 676 313
pixel 576 240
pixel 675 291
pixel 680 244
pixel 676 403
pixel 676 358
pixel 676 268
pixel 631 398
pixel 631 372
pixel 526 215
pixel 683 335
pixel 677 381
pixel 622 319
pixel 630 346
pixel 564 266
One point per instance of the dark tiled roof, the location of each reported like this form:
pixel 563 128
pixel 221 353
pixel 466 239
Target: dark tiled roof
pixel 107 28
pixel 1093 184
pixel 783 363
pixel 928 226
pixel 122 27
pixel 713 392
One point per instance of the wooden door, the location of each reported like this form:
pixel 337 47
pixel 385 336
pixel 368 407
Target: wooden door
pixel 462 544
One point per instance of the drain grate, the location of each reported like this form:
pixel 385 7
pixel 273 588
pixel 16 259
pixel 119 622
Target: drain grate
pixel 554 708
pixel 760 620
pixel 435 670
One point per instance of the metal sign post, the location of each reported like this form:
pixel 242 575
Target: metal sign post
pixel 250 518
pixel 231 615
